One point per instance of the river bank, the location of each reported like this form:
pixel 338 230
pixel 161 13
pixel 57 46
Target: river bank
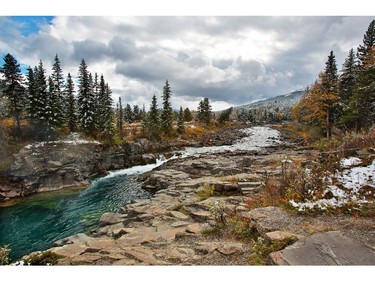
pixel 199 215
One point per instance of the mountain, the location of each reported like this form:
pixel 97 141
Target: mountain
pixel 266 110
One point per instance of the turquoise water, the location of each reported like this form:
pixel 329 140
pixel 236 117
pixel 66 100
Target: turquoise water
pixel 34 222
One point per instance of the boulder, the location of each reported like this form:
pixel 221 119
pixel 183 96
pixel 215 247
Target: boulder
pixel 109 218
pixel 327 248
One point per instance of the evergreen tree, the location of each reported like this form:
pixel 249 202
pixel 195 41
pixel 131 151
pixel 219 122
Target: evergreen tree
pixel 31 94
pixel 120 116
pixel 71 110
pixel 85 99
pixel 151 123
pixel 204 114
pixel 368 43
pixel 329 91
pixel 225 116
pixel 362 104
pixel 57 95
pixel 108 114
pixel 128 114
pixel 347 83
pixel 13 89
pixel 166 117
pixel 187 115
pixel 105 113
pixel 43 109
pixel 137 113
pixel 180 122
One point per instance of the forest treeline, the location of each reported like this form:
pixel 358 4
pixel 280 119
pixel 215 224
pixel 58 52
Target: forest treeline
pixel 43 108
pixel 342 100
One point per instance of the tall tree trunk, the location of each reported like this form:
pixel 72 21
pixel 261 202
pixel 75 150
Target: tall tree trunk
pixel 328 123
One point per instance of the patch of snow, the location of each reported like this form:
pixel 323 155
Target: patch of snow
pixel 72 142
pixel 348 189
pixel 351 161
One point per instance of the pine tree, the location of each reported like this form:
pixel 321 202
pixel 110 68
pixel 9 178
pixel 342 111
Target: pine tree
pixel 120 116
pixel 59 100
pixel 347 84
pixel 71 110
pixel 180 122
pixel 187 115
pixel 329 91
pixel 151 123
pixel 362 104
pixel 204 114
pixel 137 113
pixel 43 108
pixel 128 114
pixel 368 43
pixel 31 94
pixel 108 113
pixel 85 99
pixel 225 116
pixel 13 89
pixel 166 117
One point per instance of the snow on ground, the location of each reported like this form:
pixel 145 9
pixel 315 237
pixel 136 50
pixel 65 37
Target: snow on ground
pixel 73 142
pixel 353 185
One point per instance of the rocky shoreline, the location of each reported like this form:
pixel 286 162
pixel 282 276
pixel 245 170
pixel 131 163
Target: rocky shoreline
pixel 177 225
pixel 50 166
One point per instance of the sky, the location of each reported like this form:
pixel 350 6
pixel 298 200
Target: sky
pixel 231 59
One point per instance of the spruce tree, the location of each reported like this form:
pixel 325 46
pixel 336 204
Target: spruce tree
pixel 31 94
pixel 166 117
pixel 108 113
pixel 59 100
pixel 128 114
pixel 362 103
pixel 347 83
pixel 204 114
pixel 13 89
pixel 329 91
pixel 137 113
pixel 86 99
pixel 120 116
pixel 368 43
pixel 152 121
pixel 187 115
pixel 43 108
pixel 71 110
pixel 180 122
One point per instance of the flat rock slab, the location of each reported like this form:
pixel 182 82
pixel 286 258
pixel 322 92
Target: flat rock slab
pixel 327 248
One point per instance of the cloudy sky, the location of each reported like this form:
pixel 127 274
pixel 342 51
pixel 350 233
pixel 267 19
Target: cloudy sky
pixel 232 60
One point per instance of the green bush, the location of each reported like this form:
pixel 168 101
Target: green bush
pixel 205 191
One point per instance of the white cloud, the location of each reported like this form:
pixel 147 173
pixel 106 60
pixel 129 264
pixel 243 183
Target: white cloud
pixel 231 60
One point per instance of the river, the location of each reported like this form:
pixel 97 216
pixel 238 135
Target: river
pixel 34 222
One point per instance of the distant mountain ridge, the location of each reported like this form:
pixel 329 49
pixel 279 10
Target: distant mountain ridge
pixel 272 109
pixel 283 102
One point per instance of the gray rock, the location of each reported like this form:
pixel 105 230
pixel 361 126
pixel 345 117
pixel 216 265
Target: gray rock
pixel 109 218
pixel 327 248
